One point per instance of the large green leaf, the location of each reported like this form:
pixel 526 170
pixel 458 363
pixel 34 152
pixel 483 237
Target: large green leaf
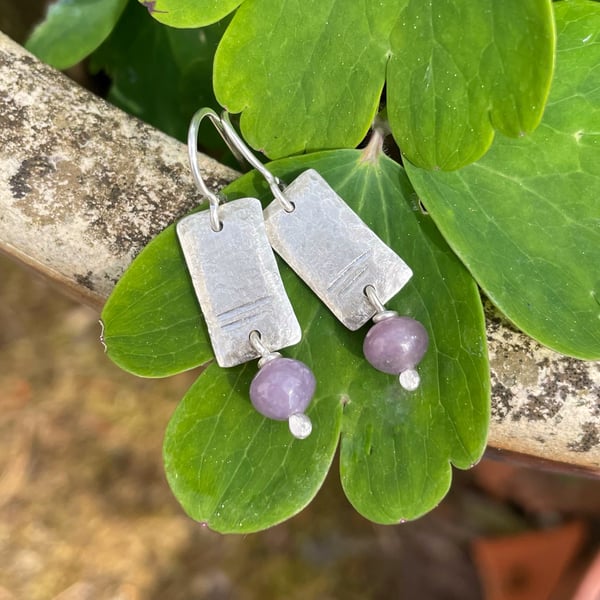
pixel 73 29
pixel 159 74
pixel 459 70
pixel 237 471
pixel 309 75
pixel 525 219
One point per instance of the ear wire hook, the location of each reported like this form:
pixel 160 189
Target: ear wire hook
pixel 239 150
pixel 192 143
pixel 238 147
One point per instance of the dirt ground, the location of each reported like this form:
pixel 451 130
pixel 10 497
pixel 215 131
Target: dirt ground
pixel 86 513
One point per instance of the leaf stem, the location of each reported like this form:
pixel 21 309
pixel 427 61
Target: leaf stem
pixel 374 147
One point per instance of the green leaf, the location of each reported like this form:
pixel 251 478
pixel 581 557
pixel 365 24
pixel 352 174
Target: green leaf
pixel 73 29
pixel 397 446
pixel 235 470
pixel 455 71
pixel 152 326
pixel 190 13
pixel 459 70
pixel 159 74
pixel 525 219
pixel 318 88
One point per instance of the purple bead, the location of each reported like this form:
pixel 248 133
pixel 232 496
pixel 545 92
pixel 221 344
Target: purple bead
pixel 282 388
pixel 395 344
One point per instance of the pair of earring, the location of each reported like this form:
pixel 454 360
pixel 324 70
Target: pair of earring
pixel 228 250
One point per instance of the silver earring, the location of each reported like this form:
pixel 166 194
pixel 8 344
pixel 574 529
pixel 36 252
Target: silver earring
pixel 307 221
pixel 241 295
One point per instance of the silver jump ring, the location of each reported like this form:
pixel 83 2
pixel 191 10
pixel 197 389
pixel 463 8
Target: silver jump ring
pixel 381 311
pixel 374 298
pixel 265 354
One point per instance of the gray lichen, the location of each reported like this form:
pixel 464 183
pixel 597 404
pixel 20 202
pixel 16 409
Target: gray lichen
pixel 544 404
pixel 84 186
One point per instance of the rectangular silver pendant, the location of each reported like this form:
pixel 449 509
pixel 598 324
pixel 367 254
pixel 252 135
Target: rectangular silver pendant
pixel 235 276
pixel 332 249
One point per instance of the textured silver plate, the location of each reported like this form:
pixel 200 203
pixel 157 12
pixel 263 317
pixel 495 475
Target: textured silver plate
pixel 333 251
pixel 235 276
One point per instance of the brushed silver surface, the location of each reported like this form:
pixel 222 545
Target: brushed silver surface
pixel 333 250
pixel 237 282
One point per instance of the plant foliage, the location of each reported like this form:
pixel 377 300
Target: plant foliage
pixel 525 218
pixel 495 109
pixel 454 72
pixel 157 73
pixel 73 29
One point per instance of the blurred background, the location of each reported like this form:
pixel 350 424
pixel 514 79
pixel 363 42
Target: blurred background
pixel 86 513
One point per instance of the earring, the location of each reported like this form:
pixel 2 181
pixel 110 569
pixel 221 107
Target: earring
pixel 349 267
pixel 241 295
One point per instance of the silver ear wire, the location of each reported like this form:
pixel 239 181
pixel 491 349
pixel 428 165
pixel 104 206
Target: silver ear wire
pixel 238 147
pixel 192 143
pixel 239 150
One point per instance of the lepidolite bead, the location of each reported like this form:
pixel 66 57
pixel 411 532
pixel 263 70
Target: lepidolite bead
pixel 283 387
pixel 396 344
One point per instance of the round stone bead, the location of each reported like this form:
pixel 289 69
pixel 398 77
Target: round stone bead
pixel 282 388
pixel 395 344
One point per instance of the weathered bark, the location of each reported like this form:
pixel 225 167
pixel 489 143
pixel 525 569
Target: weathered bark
pixel 83 187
